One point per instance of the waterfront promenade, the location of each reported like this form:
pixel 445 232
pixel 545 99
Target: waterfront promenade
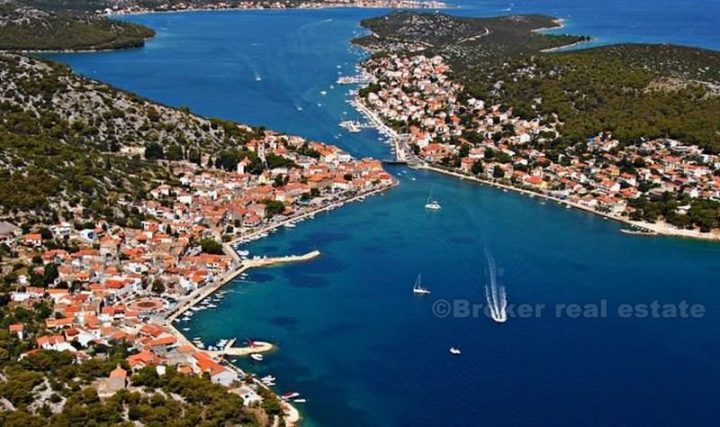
pixel 260 232
pixel 658 228
pixel 403 153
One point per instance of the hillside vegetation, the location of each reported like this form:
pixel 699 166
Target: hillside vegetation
pixel 634 91
pixel 464 42
pixel 24 27
pixel 68 142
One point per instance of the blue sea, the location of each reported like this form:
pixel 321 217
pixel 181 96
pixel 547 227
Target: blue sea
pixel 352 337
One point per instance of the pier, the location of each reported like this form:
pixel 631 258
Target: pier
pixel 209 289
pixel 265 261
pixel 257 347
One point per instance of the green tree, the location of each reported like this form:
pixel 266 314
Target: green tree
pixel 498 172
pixel 211 246
pixel 154 151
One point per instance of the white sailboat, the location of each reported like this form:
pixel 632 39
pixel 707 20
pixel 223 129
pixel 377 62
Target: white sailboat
pixel 431 204
pixel 454 351
pixel 418 288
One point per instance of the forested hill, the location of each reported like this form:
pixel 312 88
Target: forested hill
pixel 634 91
pixel 24 27
pixel 66 141
pixel 463 41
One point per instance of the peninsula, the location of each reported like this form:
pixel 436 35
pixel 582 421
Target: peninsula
pixel 25 27
pixel 628 132
pixel 119 218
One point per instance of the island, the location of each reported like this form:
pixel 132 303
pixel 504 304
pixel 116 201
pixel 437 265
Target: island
pixel 629 131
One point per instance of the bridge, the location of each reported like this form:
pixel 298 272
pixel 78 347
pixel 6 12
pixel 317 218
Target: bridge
pixel 394 162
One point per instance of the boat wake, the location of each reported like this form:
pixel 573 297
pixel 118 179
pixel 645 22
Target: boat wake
pixel 494 294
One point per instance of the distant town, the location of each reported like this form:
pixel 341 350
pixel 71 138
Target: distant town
pixel 189 6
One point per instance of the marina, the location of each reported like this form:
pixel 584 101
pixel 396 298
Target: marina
pixel 353 80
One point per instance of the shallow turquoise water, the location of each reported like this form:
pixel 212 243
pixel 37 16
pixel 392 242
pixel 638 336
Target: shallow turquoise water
pixel 352 337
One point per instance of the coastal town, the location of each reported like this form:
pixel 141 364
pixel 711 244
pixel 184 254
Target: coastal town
pixel 137 284
pixel 123 8
pixel 659 186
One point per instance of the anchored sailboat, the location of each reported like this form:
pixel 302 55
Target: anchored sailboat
pixel 418 288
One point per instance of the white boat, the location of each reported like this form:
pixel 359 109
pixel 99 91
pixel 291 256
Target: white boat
pixel 431 204
pixel 290 395
pixel 258 79
pixel 268 378
pixel 454 351
pixel 418 288
pixel 299 400
pixel 256 357
pixel 352 126
pixel 323 93
pixel 289 225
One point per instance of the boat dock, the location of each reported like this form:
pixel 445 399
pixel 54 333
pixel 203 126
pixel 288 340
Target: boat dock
pixel 256 347
pixel 354 126
pixel 401 142
pixel 208 290
pixel 360 79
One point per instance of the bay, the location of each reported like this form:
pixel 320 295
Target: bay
pixel 352 337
